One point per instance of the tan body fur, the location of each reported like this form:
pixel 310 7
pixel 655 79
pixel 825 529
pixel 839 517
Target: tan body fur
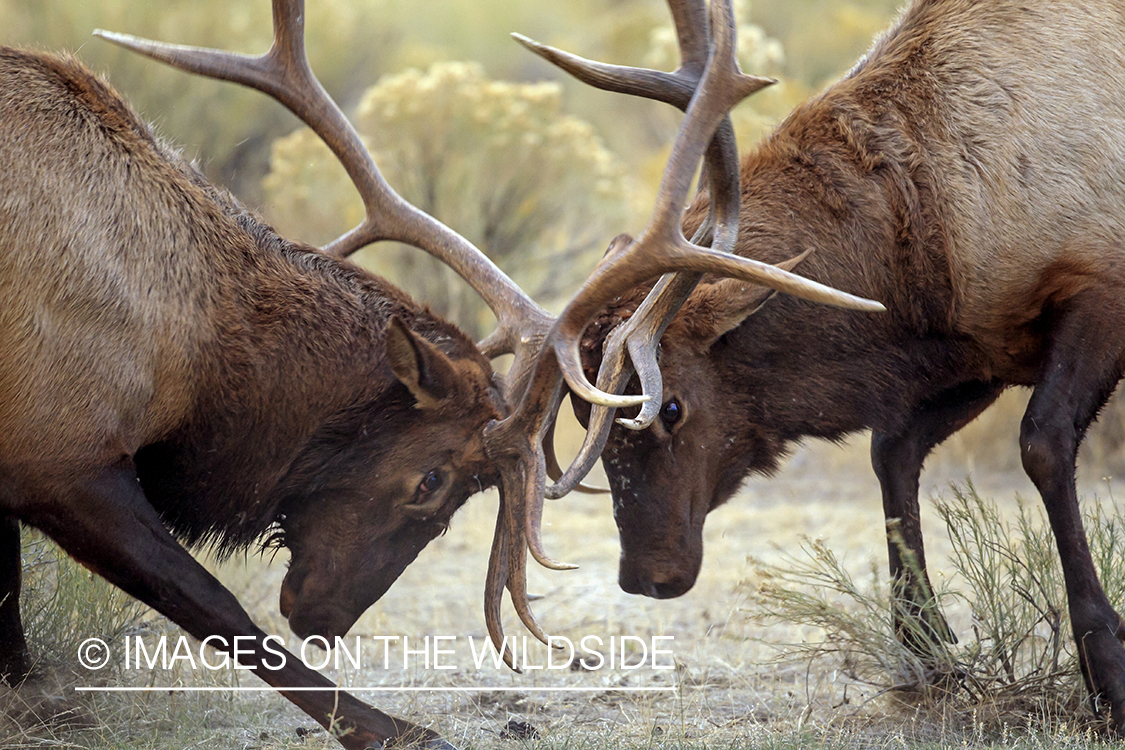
pixel 167 361
pixel 1026 144
pixel 968 173
pixel 92 313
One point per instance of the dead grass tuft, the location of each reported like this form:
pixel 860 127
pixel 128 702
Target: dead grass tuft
pixel 1015 667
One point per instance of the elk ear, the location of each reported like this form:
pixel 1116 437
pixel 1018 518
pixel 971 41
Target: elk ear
pixel 729 302
pixel 724 305
pixel 419 365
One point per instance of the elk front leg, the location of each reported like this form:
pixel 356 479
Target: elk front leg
pixel 1082 367
pixel 897 458
pixel 107 524
pixel 15 660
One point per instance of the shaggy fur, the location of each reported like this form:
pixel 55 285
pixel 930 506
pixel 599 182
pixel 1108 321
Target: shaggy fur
pixel 170 362
pixel 968 174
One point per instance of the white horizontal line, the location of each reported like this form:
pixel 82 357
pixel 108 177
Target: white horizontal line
pixel 372 689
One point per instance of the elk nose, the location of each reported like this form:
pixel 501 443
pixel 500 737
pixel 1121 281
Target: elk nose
pixel 321 620
pixel 669 589
pixel 656 584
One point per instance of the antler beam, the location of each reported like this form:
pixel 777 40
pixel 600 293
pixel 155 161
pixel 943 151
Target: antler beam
pixel 707 85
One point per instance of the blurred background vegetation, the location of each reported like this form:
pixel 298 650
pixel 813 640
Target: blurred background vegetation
pixel 538 170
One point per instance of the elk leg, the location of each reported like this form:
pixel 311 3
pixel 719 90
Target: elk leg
pixel 108 525
pixel 897 458
pixel 15 660
pixel 1083 365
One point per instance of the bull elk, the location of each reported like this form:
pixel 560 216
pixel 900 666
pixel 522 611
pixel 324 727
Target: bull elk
pixel 175 372
pixel 968 174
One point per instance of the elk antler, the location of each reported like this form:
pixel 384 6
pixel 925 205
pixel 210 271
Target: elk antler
pixel 546 349
pixel 660 249
pixel 632 345
pixel 707 92
pixel 284 74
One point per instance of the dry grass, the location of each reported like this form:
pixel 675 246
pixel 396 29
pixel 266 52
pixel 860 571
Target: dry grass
pixel 731 692
pixel 1015 665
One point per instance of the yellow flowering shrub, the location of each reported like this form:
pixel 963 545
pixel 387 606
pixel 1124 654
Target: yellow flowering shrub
pixel 499 162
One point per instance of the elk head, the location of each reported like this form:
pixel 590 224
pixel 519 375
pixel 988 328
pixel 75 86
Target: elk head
pixel 518 445
pixel 692 457
pixel 669 470
pixel 352 524
pixel 662 551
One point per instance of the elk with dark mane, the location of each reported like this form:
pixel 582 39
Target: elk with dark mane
pixel 968 174
pixel 171 363
pixel 174 371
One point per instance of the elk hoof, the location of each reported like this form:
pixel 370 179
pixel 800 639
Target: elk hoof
pixel 519 730
pixel 1103 666
pixel 15 668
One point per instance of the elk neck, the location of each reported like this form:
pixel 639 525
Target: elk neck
pixel 854 175
pixel 298 338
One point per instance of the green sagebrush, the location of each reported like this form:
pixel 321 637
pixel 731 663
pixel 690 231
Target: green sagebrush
pixel 1015 662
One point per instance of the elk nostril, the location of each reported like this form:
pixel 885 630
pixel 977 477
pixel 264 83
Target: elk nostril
pixel 668 589
pixel 315 626
pixel 653 586
pixel 630 583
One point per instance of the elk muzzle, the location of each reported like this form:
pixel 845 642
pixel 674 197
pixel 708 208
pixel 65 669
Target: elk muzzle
pixel 656 561
pixel 312 610
pixel 657 578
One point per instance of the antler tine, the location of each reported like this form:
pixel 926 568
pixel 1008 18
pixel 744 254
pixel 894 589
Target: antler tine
pixel 662 247
pixel 693 32
pixel 283 73
pixel 512 442
pixel 507 563
pixel 517 558
pixel 554 471
pixel 676 88
pixel 494 587
pixel 630 345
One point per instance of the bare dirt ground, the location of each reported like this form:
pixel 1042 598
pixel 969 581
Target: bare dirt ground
pixel 724 690
pixel 729 689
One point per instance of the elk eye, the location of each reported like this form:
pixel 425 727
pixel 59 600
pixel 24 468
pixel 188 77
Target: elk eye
pixel 430 483
pixel 671 412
